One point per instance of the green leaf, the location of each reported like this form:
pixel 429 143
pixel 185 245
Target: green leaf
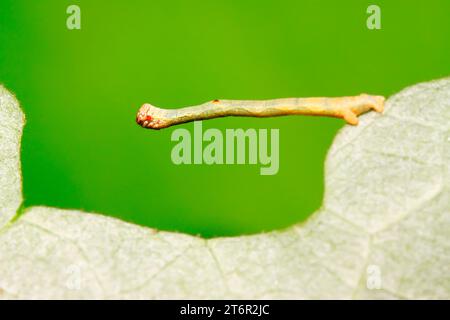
pixel 382 231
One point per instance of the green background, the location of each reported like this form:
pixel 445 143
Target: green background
pixel 81 89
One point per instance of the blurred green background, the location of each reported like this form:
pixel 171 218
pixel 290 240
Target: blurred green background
pixel 80 90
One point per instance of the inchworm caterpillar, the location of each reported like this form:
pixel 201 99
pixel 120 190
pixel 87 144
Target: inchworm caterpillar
pixel 347 108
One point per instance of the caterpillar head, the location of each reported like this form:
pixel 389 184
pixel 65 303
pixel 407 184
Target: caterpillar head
pixel 151 117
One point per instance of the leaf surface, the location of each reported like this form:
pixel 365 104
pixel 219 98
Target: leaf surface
pixel 382 232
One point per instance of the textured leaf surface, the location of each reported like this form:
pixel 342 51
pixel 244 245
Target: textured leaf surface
pixel 383 230
pixel 11 125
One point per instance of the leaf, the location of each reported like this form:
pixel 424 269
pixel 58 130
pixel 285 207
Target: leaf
pixel 383 230
pixel 12 121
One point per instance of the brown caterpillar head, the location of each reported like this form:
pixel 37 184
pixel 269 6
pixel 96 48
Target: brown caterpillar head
pixel 151 117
